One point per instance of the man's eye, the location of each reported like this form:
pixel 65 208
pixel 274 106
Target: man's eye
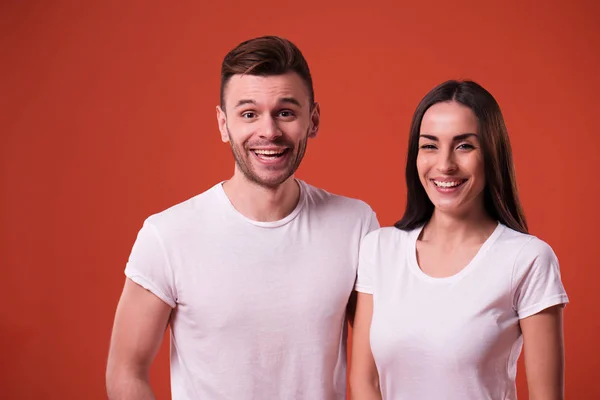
pixel 286 113
pixel 248 115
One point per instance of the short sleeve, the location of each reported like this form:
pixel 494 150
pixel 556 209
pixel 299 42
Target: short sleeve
pixel 364 280
pixel 373 223
pixel 149 267
pixel 536 280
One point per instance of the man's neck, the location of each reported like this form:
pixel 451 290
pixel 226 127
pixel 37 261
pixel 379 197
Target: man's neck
pixel 260 203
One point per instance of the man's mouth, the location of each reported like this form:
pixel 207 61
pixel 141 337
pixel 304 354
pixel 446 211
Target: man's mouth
pixel 270 154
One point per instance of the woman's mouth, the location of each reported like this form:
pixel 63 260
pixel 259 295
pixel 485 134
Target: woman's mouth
pixel 449 184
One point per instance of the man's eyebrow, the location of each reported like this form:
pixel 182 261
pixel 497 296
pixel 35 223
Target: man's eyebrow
pixel 291 100
pixel 244 102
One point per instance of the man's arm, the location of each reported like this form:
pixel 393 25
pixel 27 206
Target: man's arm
pixel 140 323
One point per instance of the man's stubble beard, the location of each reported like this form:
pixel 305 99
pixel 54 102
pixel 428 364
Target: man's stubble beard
pixel 295 160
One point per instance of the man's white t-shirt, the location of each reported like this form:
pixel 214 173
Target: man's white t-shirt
pixel 454 338
pixel 258 307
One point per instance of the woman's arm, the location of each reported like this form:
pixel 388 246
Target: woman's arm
pixel 364 379
pixel 544 354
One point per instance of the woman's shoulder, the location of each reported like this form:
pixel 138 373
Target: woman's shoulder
pixel 528 246
pixel 387 237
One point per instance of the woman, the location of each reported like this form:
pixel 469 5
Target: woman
pixel 449 295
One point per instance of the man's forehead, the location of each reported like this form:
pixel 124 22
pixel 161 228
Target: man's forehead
pixel 287 87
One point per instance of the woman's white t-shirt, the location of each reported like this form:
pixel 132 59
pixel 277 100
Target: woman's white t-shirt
pixel 454 338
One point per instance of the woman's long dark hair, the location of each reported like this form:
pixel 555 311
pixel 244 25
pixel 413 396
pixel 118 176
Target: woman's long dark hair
pixel 501 199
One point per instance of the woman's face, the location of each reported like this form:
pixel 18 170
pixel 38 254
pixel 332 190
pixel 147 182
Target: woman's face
pixel 450 161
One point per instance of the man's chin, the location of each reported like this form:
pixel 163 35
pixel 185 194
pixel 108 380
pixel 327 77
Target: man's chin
pixel 271 181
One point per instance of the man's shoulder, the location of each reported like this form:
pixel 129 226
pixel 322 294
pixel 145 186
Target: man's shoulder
pixel 319 197
pixel 184 210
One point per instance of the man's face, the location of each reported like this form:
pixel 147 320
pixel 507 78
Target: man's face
pixel 267 120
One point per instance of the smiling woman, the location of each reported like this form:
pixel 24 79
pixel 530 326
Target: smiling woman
pixel 449 162
pixel 471 113
pixel 460 285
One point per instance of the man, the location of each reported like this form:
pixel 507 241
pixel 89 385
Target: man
pixel 253 275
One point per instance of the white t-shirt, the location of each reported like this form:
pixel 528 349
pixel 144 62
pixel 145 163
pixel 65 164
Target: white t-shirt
pixel 259 307
pixel 454 338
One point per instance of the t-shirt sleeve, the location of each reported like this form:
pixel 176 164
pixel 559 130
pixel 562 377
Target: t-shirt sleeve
pixel 536 279
pixel 365 276
pixel 149 267
pixel 373 223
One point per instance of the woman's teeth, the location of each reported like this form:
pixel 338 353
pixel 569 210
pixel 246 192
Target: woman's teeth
pixel 447 184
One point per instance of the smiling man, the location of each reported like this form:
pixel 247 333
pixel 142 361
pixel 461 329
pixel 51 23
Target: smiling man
pixel 254 275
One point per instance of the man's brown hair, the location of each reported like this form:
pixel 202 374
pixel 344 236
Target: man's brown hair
pixel 265 56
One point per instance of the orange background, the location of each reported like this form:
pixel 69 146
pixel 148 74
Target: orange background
pixel 108 115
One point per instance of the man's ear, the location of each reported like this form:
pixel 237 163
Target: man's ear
pixel 315 120
pixel 222 121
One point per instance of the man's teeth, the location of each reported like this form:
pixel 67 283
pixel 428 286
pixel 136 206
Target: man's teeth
pixel 269 152
pixel 447 184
